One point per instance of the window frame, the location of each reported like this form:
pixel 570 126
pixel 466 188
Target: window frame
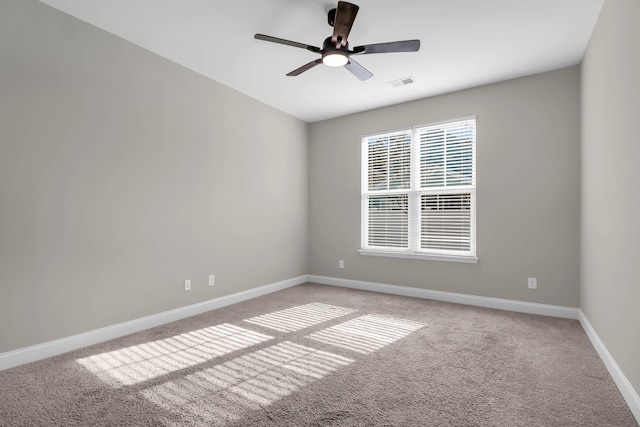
pixel 414 194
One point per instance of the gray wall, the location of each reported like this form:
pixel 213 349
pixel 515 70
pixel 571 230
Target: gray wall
pixel 610 255
pixel 122 174
pixel 528 191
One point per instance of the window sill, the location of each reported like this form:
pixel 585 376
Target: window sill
pixel 429 257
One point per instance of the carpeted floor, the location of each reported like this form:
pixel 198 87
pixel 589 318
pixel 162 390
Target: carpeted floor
pixel 317 355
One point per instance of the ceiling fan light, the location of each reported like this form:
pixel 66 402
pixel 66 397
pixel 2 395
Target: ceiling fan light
pixel 336 59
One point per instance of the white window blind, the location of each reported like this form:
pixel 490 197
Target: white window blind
pixel 418 190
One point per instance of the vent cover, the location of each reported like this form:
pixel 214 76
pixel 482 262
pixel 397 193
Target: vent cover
pixel 402 82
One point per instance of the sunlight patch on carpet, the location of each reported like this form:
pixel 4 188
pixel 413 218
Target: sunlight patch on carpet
pixel 223 393
pixel 366 334
pixel 220 392
pixel 142 362
pixel 300 317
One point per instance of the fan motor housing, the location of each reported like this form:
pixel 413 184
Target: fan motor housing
pixel 329 47
pixel 334 56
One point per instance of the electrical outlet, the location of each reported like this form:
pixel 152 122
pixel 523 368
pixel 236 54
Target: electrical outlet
pixel 340 264
pixel 187 285
pixel 212 279
pixel 533 283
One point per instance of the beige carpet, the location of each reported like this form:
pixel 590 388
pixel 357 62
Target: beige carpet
pixel 316 355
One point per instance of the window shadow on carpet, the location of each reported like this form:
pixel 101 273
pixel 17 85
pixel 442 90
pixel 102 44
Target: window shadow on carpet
pixel 191 385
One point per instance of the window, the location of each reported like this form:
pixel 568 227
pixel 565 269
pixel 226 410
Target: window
pixel 419 192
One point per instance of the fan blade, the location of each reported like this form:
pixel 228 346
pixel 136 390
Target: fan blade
pixel 402 46
pixel 358 70
pixel 287 42
pixel 345 16
pixel 305 67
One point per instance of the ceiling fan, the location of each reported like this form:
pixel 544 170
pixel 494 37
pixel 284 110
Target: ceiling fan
pixel 335 49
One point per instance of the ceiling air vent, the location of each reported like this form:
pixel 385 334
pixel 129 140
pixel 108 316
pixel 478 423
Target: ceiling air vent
pixel 402 82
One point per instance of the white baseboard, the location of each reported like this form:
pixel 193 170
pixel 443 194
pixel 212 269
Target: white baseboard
pixel 63 345
pixel 488 302
pixel 626 389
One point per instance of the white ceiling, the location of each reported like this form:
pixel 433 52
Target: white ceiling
pixel 465 43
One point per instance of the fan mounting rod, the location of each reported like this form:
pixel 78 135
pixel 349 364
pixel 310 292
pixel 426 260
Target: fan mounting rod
pixel 331 18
